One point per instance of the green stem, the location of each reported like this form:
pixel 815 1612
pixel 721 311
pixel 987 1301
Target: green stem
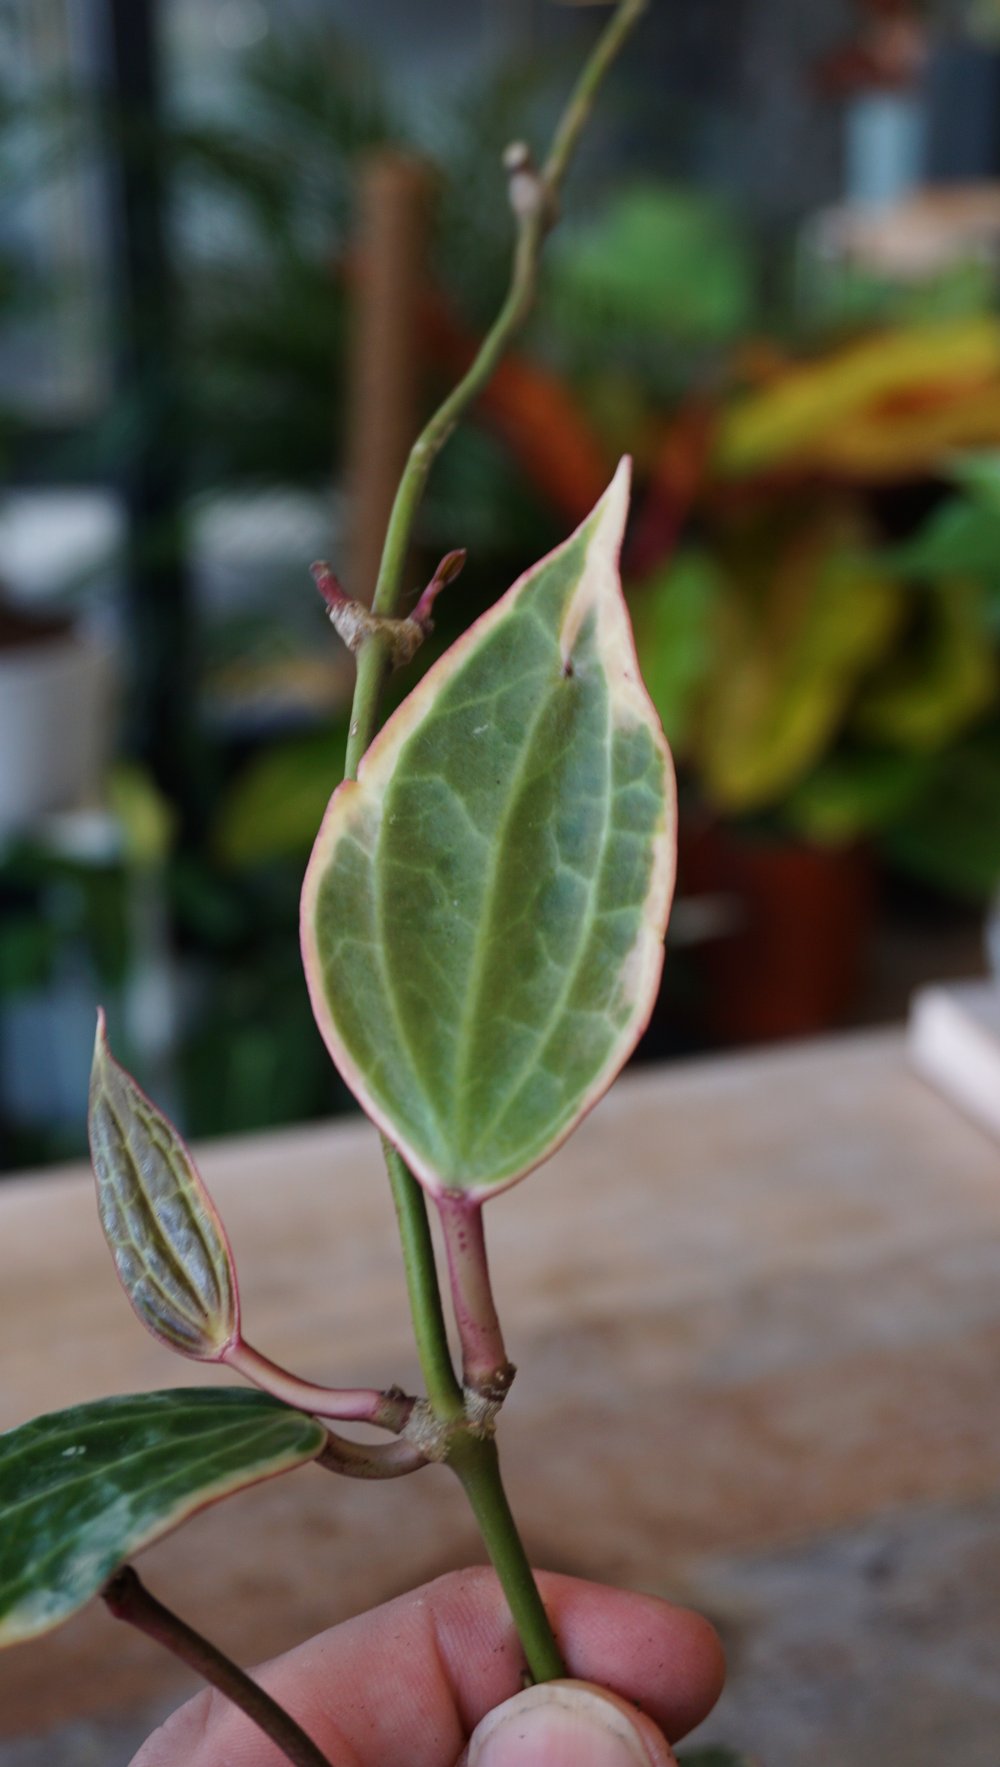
pixel 577 113
pixel 443 1390
pixel 535 198
pixel 128 1599
pixel 372 667
pixel 534 220
pixel 477 1465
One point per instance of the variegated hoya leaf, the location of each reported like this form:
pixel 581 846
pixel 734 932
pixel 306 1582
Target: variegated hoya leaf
pixel 484 910
pixel 168 1243
pixel 82 1490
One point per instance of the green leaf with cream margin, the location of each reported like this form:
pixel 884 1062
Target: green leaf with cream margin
pixel 484 910
pixel 168 1243
pixel 82 1490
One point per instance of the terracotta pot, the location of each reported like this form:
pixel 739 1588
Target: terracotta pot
pixel 801 917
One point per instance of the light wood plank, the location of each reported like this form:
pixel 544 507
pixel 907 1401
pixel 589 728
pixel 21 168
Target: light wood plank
pixel 755 1301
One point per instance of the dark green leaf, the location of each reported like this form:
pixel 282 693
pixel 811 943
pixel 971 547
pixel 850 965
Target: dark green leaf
pixel 951 836
pixel 82 1490
pixel 961 539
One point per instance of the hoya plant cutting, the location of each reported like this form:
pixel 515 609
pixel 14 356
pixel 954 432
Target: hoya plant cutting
pixel 482 931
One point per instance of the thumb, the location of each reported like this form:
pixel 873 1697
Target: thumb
pixel 567 1724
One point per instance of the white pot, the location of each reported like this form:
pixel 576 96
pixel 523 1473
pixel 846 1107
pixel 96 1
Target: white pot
pixel 56 700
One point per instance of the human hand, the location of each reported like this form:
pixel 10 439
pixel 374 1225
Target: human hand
pixel 417 1683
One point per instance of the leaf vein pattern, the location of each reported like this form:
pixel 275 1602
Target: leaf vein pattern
pixel 135 1199
pixel 188 1191
pixel 375 947
pixel 619 800
pixel 144 1513
pixel 586 925
pixel 475 982
pixel 181 1485
pixel 137 1409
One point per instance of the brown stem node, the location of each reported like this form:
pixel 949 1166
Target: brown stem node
pixel 356 625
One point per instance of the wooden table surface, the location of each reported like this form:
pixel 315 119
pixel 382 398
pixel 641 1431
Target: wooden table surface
pixel 756 1307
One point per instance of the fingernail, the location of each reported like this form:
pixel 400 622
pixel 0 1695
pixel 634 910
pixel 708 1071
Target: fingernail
pixel 567 1724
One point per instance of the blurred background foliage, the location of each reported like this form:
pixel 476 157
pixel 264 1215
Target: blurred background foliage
pixel 812 405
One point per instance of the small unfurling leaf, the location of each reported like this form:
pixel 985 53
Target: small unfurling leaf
pixel 168 1243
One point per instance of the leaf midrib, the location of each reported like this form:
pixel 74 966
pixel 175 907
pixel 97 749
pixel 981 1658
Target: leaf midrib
pixel 147 1203
pixel 108 1471
pixel 147 1524
pixel 572 969
pixel 138 1409
pixel 475 984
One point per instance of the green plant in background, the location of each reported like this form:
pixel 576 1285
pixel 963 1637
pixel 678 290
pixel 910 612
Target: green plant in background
pixel 785 618
pixel 482 925
pixel 659 265
pixel 799 623
pixel 946 829
pixel 265 198
pixel 835 691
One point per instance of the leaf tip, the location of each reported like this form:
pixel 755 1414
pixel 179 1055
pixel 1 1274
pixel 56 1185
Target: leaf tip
pixel 614 505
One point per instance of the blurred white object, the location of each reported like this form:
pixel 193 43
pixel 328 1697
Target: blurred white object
pixel 247 547
pixel 52 540
pixel 56 726
pixel 927 232
pixel 954 1042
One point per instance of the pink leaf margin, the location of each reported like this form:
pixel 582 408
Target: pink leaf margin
pixel 103 1056
pixel 609 517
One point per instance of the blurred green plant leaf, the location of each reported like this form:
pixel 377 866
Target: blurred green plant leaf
pixel 961 539
pixel 669 262
pixel 672 613
pixel 942 679
pixel 854 793
pixel 793 415
pixel 275 806
pixel 147 819
pixel 82 1490
pixel 167 1241
pixel 28 947
pixel 802 620
pixel 950 837
pixel 483 914
pixel 978 472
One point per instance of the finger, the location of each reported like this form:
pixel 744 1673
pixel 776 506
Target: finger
pixel 405 1685
pixel 567 1724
